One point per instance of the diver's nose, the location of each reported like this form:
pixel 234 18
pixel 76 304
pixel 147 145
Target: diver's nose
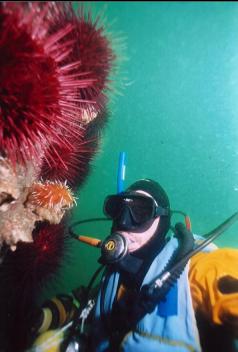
pixel 125 220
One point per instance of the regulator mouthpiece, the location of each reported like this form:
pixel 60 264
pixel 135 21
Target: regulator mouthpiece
pixel 113 249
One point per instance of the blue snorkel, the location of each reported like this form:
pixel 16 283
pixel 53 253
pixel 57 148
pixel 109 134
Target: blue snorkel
pixel 121 172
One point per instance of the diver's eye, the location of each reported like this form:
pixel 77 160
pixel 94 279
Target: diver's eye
pixel 228 284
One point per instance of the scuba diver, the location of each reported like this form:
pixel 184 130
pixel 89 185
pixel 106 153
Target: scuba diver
pixel 128 314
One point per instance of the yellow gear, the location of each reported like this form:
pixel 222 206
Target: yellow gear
pixel 206 269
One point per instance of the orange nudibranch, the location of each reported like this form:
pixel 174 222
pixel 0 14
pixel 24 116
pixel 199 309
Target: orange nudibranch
pixel 51 194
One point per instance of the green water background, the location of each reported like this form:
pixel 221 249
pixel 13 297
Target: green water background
pixel 176 118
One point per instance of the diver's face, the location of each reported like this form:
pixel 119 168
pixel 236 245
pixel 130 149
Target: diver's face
pixel 137 239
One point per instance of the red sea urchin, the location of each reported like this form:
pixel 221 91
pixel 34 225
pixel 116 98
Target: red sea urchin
pixel 54 67
pixel 33 267
pixel 74 164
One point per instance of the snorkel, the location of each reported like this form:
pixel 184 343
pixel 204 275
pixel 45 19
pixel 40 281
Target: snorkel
pixel 114 248
pixel 121 172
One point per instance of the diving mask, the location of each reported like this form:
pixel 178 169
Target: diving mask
pixel 141 208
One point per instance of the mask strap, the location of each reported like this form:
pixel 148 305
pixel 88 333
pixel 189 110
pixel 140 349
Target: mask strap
pixel 161 211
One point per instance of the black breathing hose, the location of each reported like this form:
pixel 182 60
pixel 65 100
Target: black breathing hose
pixel 161 284
pixel 73 235
pixel 210 236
